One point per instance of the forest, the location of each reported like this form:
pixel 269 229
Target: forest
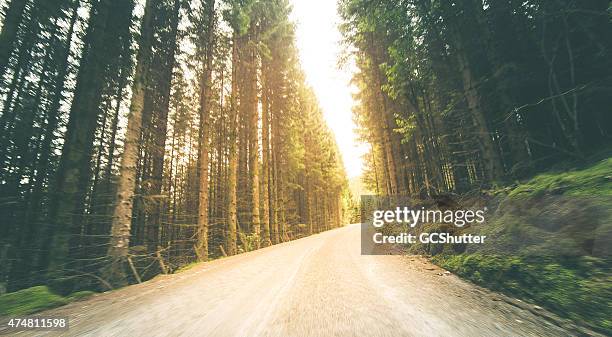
pixel 137 137
pixel 504 105
pixel 455 96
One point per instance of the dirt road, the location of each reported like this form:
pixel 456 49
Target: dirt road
pixel 317 286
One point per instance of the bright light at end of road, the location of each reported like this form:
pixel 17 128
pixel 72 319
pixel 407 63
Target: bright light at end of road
pixel 318 41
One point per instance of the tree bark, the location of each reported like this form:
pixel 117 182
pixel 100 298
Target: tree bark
pixel 122 215
pixel 233 156
pixel 73 174
pixel 254 144
pixel 265 135
pixel 205 111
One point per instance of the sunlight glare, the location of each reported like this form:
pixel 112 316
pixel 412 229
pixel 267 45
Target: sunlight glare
pixel 318 41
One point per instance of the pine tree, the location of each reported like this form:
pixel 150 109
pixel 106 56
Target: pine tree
pixel 122 216
pixel 205 129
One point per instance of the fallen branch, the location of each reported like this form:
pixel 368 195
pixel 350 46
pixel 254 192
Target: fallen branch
pixel 162 265
pixel 129 259
pixel 79 273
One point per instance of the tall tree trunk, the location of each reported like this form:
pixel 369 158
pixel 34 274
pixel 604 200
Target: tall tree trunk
pixel 472 65
pixel 205 111
pixel 253 144
pixel 493 166
pixel 122 215
pixel 265 135
pixel 44 165
pixel 233 155
pixel 275 182
pixel 74 170
pixel 160 127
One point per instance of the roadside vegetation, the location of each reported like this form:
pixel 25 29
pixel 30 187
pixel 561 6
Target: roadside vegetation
pixel 548 243
pixel 192 119
pixel 478 104
pixel 35 299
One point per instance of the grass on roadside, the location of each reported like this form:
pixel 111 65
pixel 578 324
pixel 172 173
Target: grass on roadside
pixel 592 181
pixel 578 288
pixel 547 244
pixel 35 299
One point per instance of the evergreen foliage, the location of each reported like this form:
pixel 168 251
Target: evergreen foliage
pixel 118 129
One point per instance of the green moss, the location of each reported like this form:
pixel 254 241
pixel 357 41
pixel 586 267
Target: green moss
pixel 31 300
pixel 545 244
pixel 595 180
pixel 79 295
pixel 579 288
pixel 187 267
pixel 195 263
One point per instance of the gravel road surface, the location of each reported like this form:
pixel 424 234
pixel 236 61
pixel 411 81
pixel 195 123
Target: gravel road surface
pixel 316 286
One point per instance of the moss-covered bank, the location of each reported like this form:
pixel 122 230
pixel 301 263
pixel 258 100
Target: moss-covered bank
pixel 549 242
pixel 35 299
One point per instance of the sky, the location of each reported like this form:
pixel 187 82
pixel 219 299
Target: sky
pixel 318 41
